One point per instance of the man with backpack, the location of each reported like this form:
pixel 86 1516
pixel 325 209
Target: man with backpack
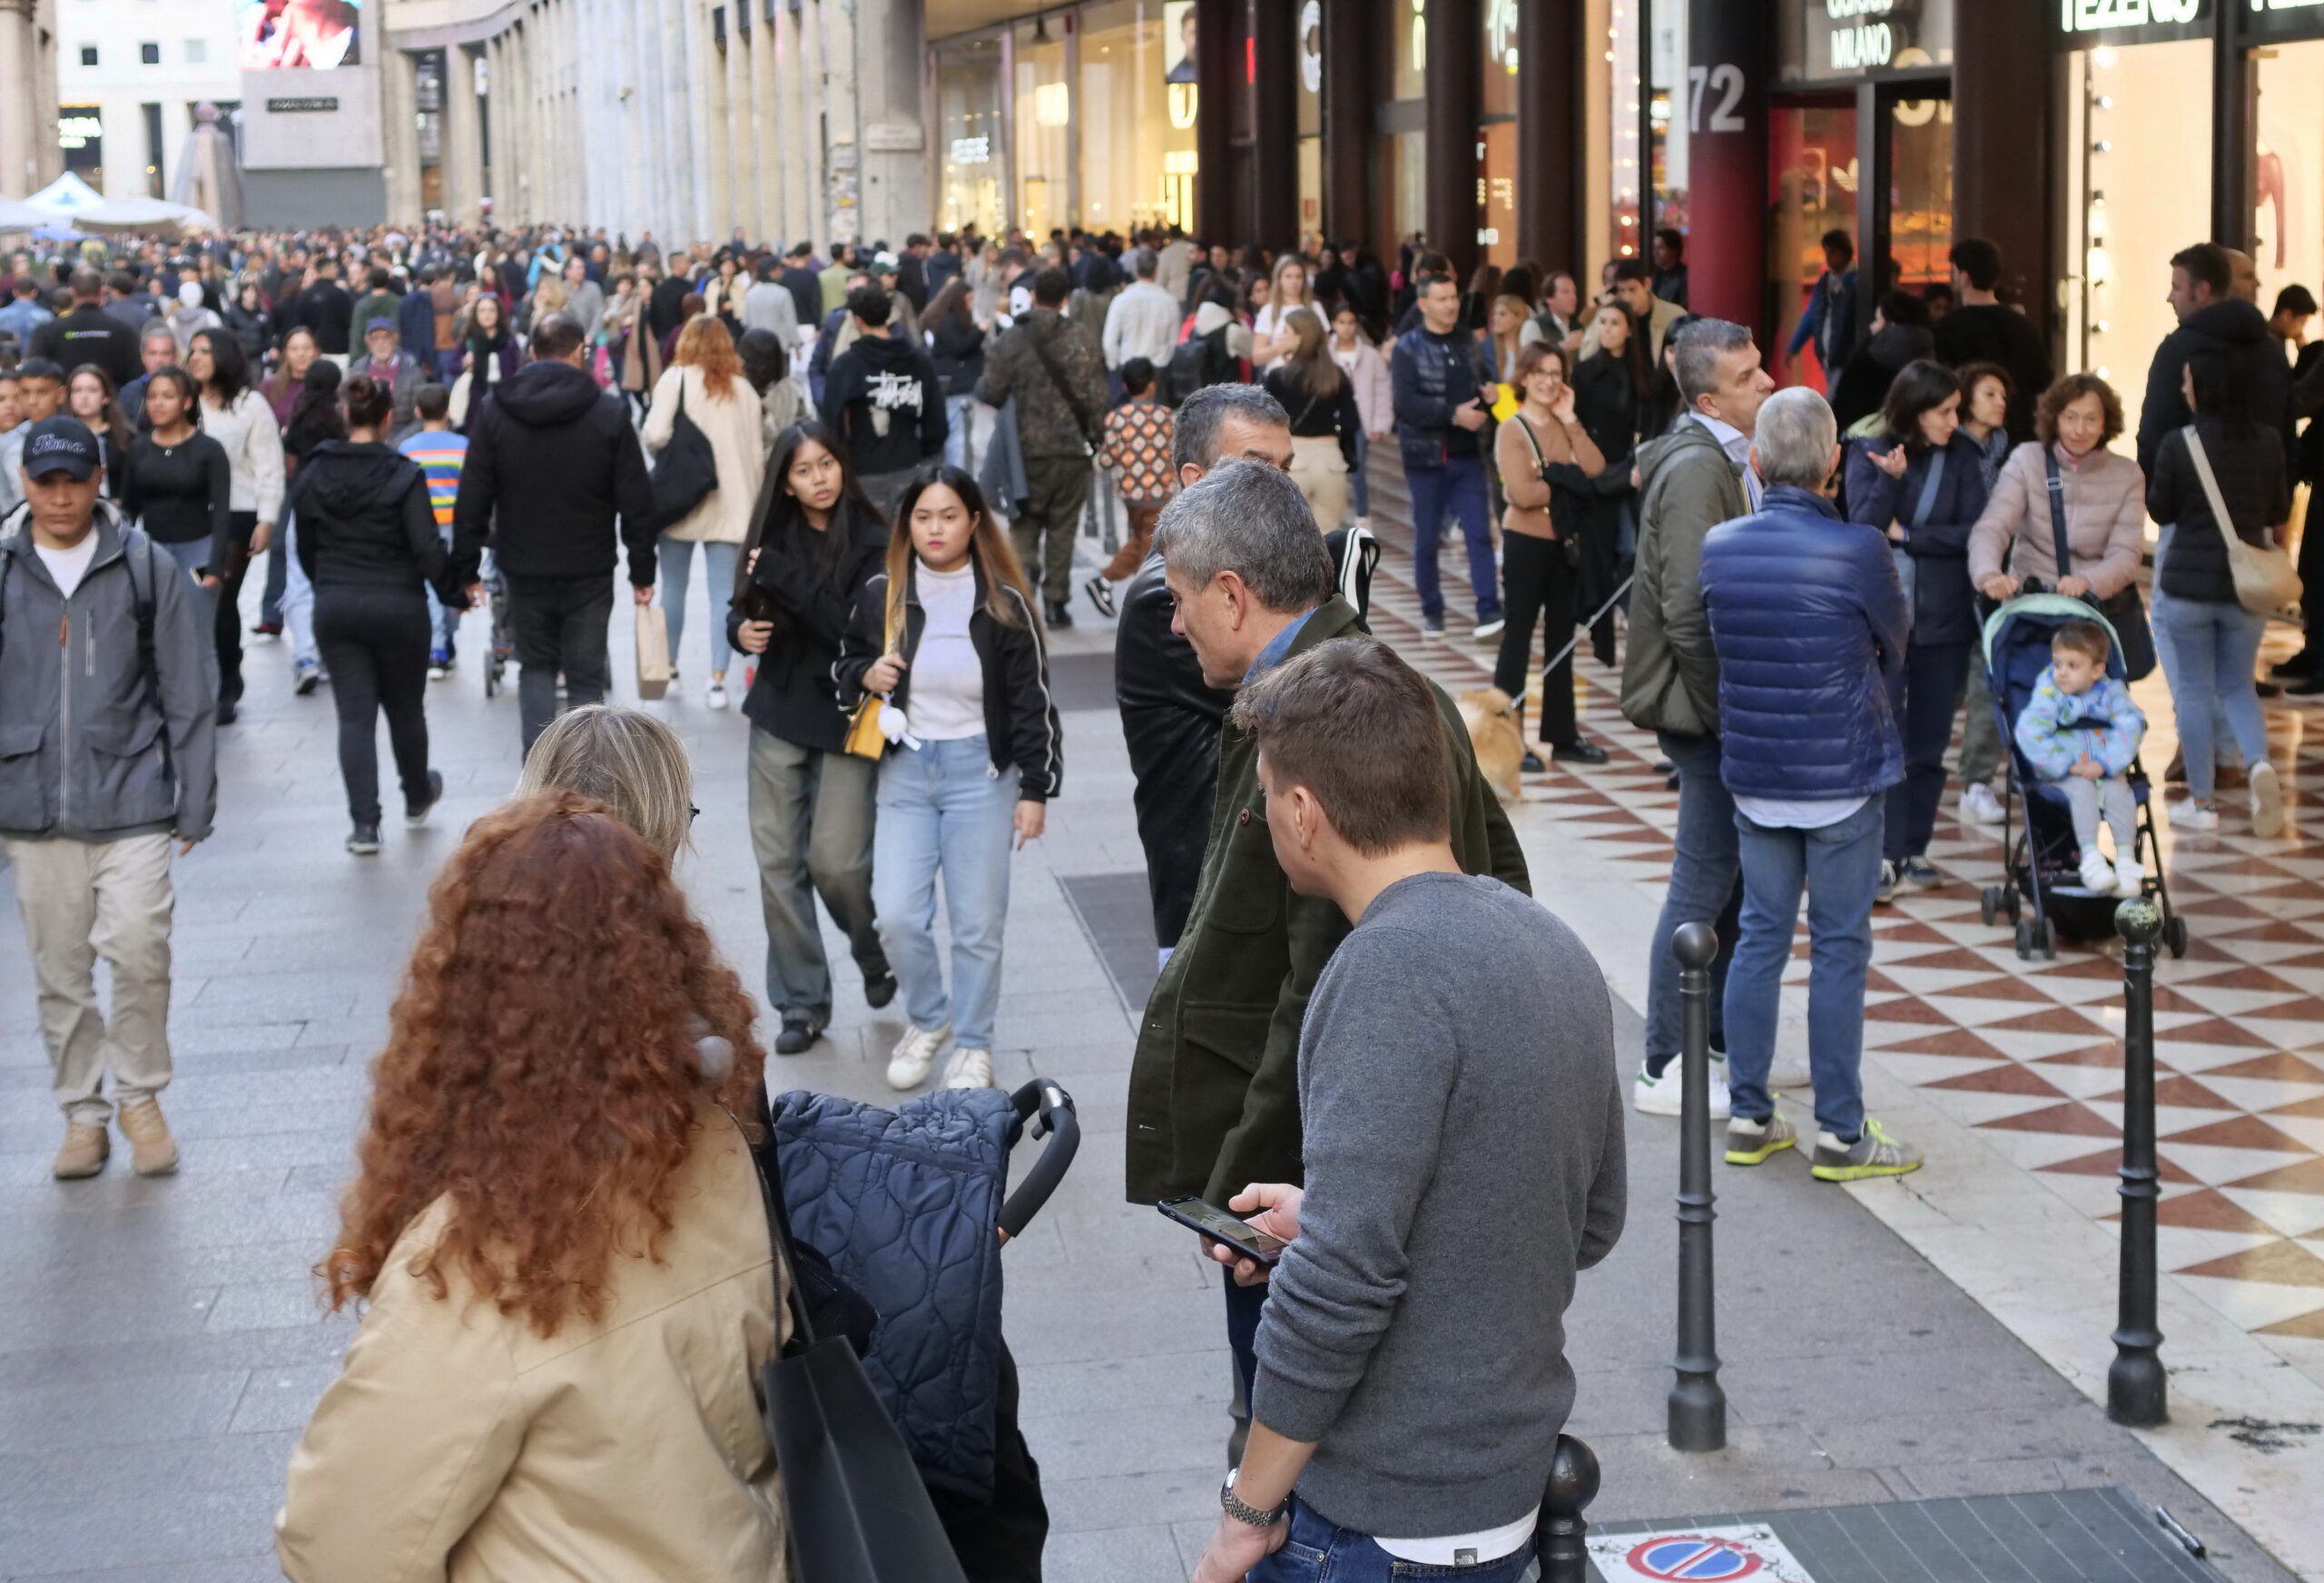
pixel 120 763
pixel 1055 371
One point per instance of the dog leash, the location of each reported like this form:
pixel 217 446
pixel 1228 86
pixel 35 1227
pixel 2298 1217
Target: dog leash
pixel 1575 640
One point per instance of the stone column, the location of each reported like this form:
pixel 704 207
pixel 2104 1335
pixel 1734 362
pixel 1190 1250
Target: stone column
pixel 1274 127
pixel 714 116
pixel 1453 93
pixel 1349 33
pixel 1218 71
pixel 792 100
pixel 763 123
pixel 843 120
pixel 1552 58
pixel 399 158
pixel 890 56
pixel 19 112
pixel 463 155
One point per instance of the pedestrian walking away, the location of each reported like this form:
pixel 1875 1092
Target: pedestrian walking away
pixel 943 645
pixel 1053 370
pixel 441 453
pixel 1141 434
pixel 117 770
pixel 704 387
pixel 238 418
pixel 554 482
pixel 367 543
pixel 1326 426
pixel 883 400
pixel 815 542
pixel 1809 625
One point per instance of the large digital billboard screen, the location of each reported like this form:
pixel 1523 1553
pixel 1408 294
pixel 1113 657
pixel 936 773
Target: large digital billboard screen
pixel 315 35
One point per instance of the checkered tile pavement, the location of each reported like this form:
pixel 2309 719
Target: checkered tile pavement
pixel 2030 1053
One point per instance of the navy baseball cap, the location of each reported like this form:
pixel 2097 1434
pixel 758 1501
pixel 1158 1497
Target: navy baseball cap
pixel 61 444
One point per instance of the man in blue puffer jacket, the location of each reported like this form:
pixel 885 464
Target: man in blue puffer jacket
pixel 1808 621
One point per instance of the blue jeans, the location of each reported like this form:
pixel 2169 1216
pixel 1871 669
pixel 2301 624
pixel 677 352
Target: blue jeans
pixel 443 620
pixel 1457 487
pixel 1704 866
pixel 1839 867
pixel 192 556
pixel 1359 486
pixel 677 567
pixel 298 598
pixel 957 450
pixel 2158 621
pixel 2208 661
pixel 942 810
pixel 1321 1551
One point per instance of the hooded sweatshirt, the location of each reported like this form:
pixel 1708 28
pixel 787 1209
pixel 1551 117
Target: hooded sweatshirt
pixel 552 463
pixel 883 398
pixel 2240 331
pixel 365 523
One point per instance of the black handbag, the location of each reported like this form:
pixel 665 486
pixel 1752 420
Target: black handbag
pixel 686 471
pixel 857 1510
pixel 2123 611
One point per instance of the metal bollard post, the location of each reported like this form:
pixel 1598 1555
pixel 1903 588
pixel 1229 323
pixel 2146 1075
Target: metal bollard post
pixel 1558 1540
pixel 2137 1392
pixel 1698 1404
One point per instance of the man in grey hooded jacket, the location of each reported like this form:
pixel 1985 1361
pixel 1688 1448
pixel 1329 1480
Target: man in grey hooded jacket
pixel 108 759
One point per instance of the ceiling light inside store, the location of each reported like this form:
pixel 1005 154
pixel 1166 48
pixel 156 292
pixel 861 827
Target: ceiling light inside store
pixel 1053 104
pixel 2102 57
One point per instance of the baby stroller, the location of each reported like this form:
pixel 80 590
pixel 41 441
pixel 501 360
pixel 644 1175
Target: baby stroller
pixel 903 1205
pixel 2043 861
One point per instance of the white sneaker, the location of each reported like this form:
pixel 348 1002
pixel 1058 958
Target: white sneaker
pixel 914 1054
pixel 1485 629
pixel 438 673
pixel 2267 801
pixel 2189 815
pixel 1980 806
pixel 969 1068
pixel 2129 875
pixel 1789 1072
pixel 2097 873
pixel 716 697
pixel 1651 1095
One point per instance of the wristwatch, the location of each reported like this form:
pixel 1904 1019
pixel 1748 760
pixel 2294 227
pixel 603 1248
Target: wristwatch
pixel 1241 1511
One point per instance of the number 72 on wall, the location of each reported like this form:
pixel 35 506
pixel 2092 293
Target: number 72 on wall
pixel 1725 80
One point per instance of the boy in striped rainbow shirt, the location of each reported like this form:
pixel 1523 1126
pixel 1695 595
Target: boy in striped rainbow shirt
pixel 441 452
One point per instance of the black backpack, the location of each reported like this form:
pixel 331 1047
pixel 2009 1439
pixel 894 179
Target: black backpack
pixel 1200 361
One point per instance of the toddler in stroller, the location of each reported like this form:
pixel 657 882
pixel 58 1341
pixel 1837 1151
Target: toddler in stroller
pixel 2081 733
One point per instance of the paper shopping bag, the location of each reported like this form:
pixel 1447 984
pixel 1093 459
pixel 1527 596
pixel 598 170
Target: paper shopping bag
pixel 653 652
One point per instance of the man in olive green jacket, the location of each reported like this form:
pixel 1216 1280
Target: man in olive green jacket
pixel 1213 1090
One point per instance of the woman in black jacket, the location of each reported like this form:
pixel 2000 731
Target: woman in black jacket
pixel 250 324
pixel 177 485
pixel 1611 387
pixel 958 346
pixel 2208 642
pixel 946 637
pixel 1325 425
pixel 367 543
pixel 814 539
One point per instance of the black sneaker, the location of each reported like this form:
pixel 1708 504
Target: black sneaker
pixel 880 990
pixel 226 711
pixel 2298 668
pixel 1531 763
pixel 363 841
pixel 1892 877
pixel 796 1035
pixel 1580 751
pixel 1101 594
pixel 1059 615
pixel 416 813
pixel 1920 874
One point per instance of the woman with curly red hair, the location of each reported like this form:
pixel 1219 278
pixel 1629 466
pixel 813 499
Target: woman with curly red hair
pixel 559 1234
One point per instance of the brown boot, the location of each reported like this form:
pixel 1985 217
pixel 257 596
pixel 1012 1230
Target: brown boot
pixel 152 1152
pixel 84 1153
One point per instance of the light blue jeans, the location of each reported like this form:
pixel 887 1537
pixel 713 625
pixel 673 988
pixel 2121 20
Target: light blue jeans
pixel 2209 662
pixel 2222 731
pixel 677 567
pixel 443 620
pixel 1839 867
pixel 957 449
pixel 298 599
pixel 942 809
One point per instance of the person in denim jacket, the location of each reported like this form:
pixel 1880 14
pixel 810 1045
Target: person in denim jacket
pixel 2080 730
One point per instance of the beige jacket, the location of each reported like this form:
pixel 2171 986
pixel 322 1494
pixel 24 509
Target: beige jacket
pixel 2105 499
pixel 1522 484
pixel 458 1445
pixel 731 425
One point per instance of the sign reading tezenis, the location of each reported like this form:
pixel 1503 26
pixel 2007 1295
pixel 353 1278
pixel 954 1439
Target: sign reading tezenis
pixel 300 106
pixel 1846 38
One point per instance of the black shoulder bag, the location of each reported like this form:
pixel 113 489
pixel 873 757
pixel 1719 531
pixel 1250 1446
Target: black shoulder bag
pixel 858 1510
pixel 2123 611
pixel 686 471
pixel 1092 430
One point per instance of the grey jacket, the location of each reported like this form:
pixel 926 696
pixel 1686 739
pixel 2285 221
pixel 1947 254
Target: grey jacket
pixel 93 745
pixel 1671 676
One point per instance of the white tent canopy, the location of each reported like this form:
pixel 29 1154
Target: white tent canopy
pixel 69 201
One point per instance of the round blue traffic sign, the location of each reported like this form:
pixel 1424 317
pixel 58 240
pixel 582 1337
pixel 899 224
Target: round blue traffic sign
pixel 1692 1559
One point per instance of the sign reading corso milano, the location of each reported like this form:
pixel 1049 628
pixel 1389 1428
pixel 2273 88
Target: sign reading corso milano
pixel 1846 38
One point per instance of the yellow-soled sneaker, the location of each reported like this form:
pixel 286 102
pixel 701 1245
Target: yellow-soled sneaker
pixel 1750 1143
pixel 1874 1154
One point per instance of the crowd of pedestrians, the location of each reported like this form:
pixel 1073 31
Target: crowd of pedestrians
pixel 887 458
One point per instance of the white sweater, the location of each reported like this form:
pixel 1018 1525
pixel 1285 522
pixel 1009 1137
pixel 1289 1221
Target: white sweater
pixel 253 448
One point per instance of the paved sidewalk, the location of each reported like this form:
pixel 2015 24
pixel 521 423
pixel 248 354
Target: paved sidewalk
pixel 160 1344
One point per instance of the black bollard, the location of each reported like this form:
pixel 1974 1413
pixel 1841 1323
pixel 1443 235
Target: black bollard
pixel 1557 1539
pixel 2137 1393
pixel 1698 1404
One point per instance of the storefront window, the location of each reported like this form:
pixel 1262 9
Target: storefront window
pixel 970 143
pixel 1665 122
pixel 1044 148
pixel 1812 151
pixel 2138 189
pixel 1622 103
pixel 1497 72
pixel 1406 22
pixel 1920 215
pixel 1309 46
pixel 2289 144
pixel 1497 193
pixel 1137 163
pixel 1407 186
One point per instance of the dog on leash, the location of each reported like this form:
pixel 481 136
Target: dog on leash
pixel 1491 716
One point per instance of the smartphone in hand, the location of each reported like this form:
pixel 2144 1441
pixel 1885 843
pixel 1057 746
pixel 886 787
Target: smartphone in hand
pixel 1220 1227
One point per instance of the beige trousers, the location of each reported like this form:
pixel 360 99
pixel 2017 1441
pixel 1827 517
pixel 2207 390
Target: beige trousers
pixel 82 900
pixel 1321 472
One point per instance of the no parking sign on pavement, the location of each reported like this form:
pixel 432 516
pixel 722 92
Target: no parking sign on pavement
pixel 1697 1555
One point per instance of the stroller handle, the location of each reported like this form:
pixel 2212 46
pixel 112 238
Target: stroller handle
pixel 1050 1109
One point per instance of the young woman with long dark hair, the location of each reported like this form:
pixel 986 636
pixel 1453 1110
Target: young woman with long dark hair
pixel 945 634
pixel 1326 426
pixel 238 418
pixel 814 540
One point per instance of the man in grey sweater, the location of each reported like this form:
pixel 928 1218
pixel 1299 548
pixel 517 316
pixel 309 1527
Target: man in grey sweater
pixel 1463 1154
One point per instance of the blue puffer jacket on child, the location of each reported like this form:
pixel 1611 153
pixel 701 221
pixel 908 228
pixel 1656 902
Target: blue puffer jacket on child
pixel 2056 730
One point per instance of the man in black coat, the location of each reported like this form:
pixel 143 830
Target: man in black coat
pixel 553 461
pixel 2215 316
pixel 88 334
pixel 806 292
pixel 326 309
pixel 1983 329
